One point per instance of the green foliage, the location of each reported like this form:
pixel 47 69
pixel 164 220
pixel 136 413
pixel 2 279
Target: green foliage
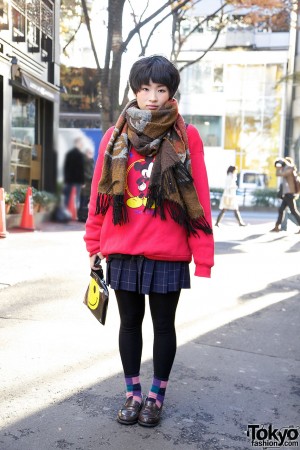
pixel 9 199
pixel 19 195
pixel 42 198
pixel 265 197
pixel 215 196
pixel 261 197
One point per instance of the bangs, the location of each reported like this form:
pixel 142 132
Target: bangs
pixel 156 74
pixel 156 69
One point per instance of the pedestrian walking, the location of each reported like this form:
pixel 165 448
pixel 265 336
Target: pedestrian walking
pixel 286 169
pixel 149 214
pixel 86 188
pixel 229 198
pixel 74 171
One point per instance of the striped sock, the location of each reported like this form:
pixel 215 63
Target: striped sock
pixel 133 387
pixel 158 391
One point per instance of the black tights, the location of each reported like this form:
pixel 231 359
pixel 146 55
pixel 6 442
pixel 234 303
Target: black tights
pixel 132 309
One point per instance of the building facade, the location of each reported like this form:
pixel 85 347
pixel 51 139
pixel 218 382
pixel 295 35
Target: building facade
pixel 234 94
pixel 29 93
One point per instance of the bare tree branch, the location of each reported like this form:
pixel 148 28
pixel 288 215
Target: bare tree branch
pixel 145 9
pixel 72 37
pixel 151 17
pixel 156 25
pixel 88 25
pixel 136 23
pixel 206 19
pixel 190 63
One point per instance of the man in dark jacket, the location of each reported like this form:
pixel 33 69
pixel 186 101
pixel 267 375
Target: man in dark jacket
pixel 74 171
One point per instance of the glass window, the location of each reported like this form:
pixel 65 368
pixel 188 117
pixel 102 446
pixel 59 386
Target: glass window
pixel 253 81
pixel 34 11
pixel 33 37
pixel 202 78
pixel 4 23
pixel 209 127
pixel 26 155
pixel 274 73
pixel 20 4
pixel 234 81
pixel 47 19
pixel 218 79
pixel 233 128
pixel 18 30
pixel 33 20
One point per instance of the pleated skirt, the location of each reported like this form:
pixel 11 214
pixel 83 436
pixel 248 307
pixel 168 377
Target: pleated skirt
pixel 142 275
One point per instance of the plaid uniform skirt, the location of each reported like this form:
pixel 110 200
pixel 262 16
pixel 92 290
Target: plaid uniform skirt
pixel 142 275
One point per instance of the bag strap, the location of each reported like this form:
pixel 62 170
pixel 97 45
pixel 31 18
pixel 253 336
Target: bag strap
pixel 98 272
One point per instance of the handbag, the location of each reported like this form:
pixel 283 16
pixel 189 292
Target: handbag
pixel 296 182
pixel 97 295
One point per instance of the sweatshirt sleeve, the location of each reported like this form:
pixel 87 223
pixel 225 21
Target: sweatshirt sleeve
pixel 202 246
pixel 94 222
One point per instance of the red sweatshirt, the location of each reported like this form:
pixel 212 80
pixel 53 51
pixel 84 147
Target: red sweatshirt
pixel 144 234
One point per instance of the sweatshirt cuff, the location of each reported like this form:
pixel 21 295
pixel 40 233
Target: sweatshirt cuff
pixel 203 271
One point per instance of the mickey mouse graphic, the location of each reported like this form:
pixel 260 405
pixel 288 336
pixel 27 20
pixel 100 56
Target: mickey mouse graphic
pixel 144 167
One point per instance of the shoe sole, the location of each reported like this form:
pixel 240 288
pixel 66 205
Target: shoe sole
pixel 149 425
pixel 125 422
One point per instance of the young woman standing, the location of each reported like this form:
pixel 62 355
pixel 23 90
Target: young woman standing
pixel 149 214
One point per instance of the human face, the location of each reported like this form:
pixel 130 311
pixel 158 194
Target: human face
pixel 152 96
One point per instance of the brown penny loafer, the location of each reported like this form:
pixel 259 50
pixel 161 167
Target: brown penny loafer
pixel 129 413
pixel 150 414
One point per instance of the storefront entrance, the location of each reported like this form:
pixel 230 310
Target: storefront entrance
pixel 26 150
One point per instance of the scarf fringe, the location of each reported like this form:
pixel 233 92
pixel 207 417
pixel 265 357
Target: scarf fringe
pixel 177 213
pixel 180 216
pixel 201 224
pixel 103 203
pixel 120 214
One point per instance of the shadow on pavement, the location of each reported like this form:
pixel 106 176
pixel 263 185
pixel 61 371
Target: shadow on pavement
pixel 242 373
pixel 52 227
pixel 294 248
pixel 284 285
pixel 234 246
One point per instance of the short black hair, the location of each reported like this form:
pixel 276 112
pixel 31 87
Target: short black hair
pixel 156 68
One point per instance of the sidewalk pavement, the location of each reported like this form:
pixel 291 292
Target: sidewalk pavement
pixel 237 362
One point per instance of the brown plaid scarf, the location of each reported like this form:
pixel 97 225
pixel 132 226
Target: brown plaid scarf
pixel 160 133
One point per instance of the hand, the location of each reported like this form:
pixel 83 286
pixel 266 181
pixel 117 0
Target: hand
pixel 93 258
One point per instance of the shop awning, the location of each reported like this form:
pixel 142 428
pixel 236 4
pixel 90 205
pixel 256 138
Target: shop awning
pixel 36 87
pixel 39 88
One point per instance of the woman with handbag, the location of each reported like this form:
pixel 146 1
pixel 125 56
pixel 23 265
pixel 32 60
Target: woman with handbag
pixel 229 198
pixel 286 169
pixel 149 213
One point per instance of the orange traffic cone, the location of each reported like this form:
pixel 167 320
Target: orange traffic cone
pixel 27 221
pixel 72 204
pixel 2 214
